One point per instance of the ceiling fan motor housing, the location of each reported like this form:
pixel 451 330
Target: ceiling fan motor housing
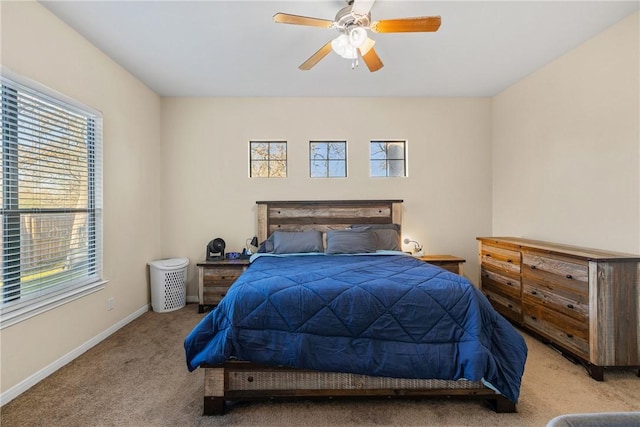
pixel 345 19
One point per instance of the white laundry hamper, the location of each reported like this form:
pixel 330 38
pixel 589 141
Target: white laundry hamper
pixel 168 284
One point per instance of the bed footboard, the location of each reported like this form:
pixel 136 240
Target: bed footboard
pixel 244 381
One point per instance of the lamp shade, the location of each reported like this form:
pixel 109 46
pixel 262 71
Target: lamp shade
pixel 357 37
pixel 342 47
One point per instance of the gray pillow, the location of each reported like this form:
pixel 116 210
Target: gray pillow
pixel 387 239
pixel 351 241
pixel 287 242
pixel 266 246
pixel 387 236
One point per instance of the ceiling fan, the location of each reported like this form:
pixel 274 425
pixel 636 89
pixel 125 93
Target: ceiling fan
pixel 352 23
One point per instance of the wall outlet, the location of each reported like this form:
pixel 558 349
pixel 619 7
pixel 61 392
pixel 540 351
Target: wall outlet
pixel 110 304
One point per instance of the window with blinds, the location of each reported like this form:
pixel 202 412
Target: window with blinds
pixel 50 186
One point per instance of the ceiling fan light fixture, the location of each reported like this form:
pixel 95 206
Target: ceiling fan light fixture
pixel 357 37
pixel 342 47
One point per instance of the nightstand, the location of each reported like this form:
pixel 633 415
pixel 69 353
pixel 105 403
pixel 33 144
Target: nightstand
pixel 448 262
pixel 214 279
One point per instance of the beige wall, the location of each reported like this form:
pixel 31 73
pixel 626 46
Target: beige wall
pixel 566 147
pixel 207 192
pixel 37 45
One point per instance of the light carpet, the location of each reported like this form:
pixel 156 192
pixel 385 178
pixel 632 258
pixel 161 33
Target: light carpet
pixel 138 377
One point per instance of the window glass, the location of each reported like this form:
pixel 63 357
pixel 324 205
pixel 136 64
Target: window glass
pixel 328 159
pixel 268 159
pixel 388 158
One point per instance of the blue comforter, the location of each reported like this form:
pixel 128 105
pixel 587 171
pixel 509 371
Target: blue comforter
pixel 381 315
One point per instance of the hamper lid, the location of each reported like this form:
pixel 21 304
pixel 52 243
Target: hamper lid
pixel 169 263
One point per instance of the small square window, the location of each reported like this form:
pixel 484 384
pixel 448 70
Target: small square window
pixel 328 159
pixel 268 159
pixel 388 158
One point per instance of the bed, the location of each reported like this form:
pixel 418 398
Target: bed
pixel 332 308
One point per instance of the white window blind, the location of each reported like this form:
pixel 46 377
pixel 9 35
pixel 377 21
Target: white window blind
pixel 50 186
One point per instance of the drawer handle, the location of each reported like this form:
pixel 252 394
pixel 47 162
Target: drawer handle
pixel 488 255
pixel 533 267
pixel 509 283
pixel 534 318
pixel 534 293
pixel 509 260
pixel 510 305
pixel 570 306
pixel 250 379
pixel 569 335
pixel 568 276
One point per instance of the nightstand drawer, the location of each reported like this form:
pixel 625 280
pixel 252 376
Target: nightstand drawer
pixel 448 262
pixel 211 275
pixel 214 294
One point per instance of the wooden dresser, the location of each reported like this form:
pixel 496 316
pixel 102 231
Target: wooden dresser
pixel 586 302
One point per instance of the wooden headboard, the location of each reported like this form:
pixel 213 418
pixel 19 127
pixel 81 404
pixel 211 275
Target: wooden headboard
pixel 324 214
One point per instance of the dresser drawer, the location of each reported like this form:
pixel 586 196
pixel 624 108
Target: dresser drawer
pixel 501 258
pixel 502 283
pixel 566 301
pixel 564 330
pixel 569 273
pixel 508 307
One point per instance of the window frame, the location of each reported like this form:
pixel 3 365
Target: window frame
pixel 386 159
pixel 328 159
pixel 14 310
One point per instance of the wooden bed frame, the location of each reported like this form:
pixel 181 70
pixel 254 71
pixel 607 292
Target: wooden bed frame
pixel 242 381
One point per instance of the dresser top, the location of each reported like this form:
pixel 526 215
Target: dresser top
pixel 576 251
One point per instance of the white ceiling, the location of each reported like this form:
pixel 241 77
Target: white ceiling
pixel 233 48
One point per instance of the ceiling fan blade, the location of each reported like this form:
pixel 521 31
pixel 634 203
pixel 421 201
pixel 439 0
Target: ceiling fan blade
pixel 407 25
pixel 316 57
pixel 372 59
pixel 362 7
pixel 285 18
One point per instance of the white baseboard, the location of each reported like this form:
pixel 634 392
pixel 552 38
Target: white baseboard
pixel 29 382
pixel 192 298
